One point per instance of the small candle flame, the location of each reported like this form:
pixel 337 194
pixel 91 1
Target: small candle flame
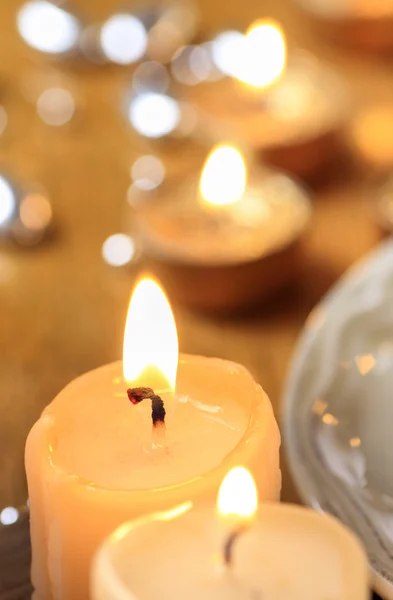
pixel 238 496
pixel 224 176
pixel 150 350
pixel 264 54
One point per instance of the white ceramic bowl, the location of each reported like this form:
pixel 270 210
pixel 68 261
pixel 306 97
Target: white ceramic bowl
pixel 338 409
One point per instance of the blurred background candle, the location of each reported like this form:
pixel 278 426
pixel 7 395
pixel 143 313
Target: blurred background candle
pixel 283 102
pixel 93 460
pixel 281 552
pixel 228 240
pixel 361 24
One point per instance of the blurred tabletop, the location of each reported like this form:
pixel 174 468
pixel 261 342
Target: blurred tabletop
pixel 63 308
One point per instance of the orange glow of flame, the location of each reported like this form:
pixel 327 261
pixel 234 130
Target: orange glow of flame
pixel 264 57
pixel 150 349
pixel 224 176
pixel 238 495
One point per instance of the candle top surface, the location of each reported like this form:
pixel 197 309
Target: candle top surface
pixel 96 434
pixel 288 552
pixel 273 212
pixel 308 100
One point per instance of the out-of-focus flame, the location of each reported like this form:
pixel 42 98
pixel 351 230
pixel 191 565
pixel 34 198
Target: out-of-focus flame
pixel 238 496
pixel 224 176
pixel 264 54
pixel 150 350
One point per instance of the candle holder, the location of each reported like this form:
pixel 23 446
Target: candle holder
pixel 364 24
pixel 294 125
pixel 222 258
pixel 122 39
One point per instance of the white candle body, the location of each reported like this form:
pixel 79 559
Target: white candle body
pixel 288 552
pixel 90 466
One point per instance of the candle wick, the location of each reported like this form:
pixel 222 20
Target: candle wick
pixel 136 395
pixel 228 547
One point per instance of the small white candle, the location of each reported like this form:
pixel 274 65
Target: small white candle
pixel 286 552
pixel 228 239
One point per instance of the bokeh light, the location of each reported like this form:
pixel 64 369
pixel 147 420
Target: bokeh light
pixel 47 27
pixel 154 115
pixel 147 172
pixel 118 250
pixel 35 212
pixel 151 76
pixel 9 515
pixel 372 134
pixel 123 39
pixel 164 38
pixel 7 201
pixel 227 48
pixel 192 65
pixel 56 106
pixel 3 119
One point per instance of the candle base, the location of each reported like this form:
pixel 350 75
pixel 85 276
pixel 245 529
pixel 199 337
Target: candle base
pixel 227 289
pixel 305 158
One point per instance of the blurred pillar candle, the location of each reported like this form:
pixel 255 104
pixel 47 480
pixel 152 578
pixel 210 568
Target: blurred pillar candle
pixel 287 106
pixel 94 460
pixel 228 240
pixel 282 552
pixel 364 24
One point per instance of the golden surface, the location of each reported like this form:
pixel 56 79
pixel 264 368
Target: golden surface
pixel 63 309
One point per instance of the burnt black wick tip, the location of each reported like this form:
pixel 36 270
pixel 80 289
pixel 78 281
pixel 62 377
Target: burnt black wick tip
pixel 230 542
pixel 136 395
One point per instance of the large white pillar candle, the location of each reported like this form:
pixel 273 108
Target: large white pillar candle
pixel 94 461
pixel 286 553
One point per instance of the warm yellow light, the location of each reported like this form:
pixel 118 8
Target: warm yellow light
pixel 224 176
pixel 238 496
pixel 150 350
pixel 264 57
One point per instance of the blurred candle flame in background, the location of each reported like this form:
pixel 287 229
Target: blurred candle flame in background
pixel 224 176
pixel 263 56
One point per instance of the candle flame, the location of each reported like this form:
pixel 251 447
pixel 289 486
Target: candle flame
pixel 264 54
pixel 238 495
pixel 150 350
pixel 224 176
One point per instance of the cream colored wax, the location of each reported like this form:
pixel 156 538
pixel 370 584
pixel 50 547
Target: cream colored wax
pixel 288 553
pixel 91 462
